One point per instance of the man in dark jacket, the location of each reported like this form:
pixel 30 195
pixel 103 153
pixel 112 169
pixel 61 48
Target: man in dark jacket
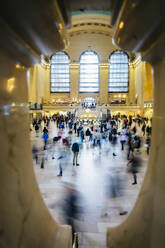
pixel 75 150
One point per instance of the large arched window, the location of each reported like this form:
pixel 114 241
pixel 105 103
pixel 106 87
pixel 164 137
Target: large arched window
pixel 59 75
pixel 118 72
pixel 89 72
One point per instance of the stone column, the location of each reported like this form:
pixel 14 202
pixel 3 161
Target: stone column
pixel 32 87
pixel 103 95
pixel 24 218
pixel 46 84
pixel 145 226
pixel 74 79
pixel 131 94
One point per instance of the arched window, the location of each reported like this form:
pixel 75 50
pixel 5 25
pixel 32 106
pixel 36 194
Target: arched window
pixel 59 73
pixel 118 72
pixel 89 72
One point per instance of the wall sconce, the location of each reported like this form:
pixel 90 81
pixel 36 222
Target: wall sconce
pixel 121 25
pixel 11 84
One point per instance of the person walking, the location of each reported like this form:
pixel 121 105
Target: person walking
pixel 123 139
pixel 45 130
pixel 35 153
pixel 144 128
pixel 82 135
pixel 134 129
pixel 37 129
pixel 75 150
pixel 88 134
pixel 75 127
pixel 45 137
pixel 130 147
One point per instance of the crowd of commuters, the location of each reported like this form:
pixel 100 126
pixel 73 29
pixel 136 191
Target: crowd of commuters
pixel 116 128
pixel 72 134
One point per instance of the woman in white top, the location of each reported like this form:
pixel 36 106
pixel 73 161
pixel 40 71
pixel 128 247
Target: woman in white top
pixel 123 139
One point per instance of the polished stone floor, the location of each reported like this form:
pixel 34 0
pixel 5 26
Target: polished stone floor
pixel 99 171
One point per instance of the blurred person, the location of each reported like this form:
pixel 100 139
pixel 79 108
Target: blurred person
pixel 101 127
pixel 134 129
pixel 62 126
pixel 60 155
pixel 137 142
pixel 114 188
pixel 75 150
pixel 42 162
pixel 123 139
pixel 55 139
pixel 133 167
pixel 39 122
pixel 47 122
pixel 72 207
pixel 114 135
pixel 43 158
pixel 94 137
pixel 148 130
pixel 45 130
pixel 59 134
pixel 34 122
pixel 144 128
pixel 130 147
pixel 88 134
pixel 91 136
pixel 82 135
pixel 108 126
pixel 78 130
pixel 35 153
pixel 44 119
pixel 75 127
pixel 110 136
pixel 69 139
pixel 104 135
pixel 45 137
pixel 60 164
pixel 70 124
pixel 37 129
pixel 98 139
pixel 66 121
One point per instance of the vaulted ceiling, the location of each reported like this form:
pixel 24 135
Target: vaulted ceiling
pixel 29 28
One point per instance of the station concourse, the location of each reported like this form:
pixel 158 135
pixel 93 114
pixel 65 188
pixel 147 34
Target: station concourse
pixel 90 73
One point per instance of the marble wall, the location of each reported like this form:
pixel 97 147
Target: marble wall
pixel 24 219
pixel 145 226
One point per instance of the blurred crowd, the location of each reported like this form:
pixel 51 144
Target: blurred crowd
pixel 132 134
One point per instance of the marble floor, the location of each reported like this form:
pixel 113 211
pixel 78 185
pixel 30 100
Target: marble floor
pixel 94 180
